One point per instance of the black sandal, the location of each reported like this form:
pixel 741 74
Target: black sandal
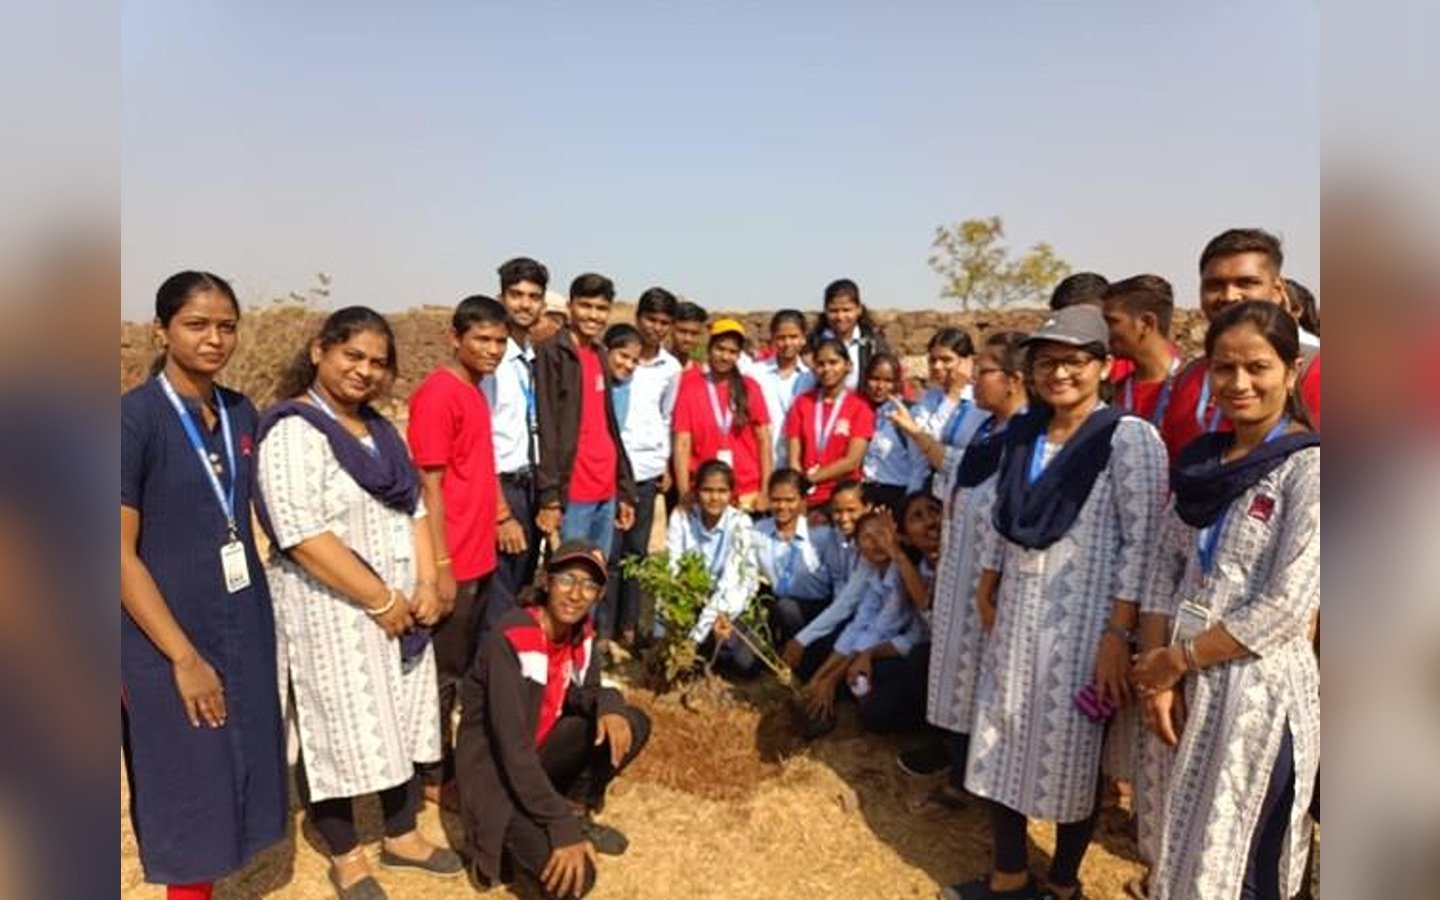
pixel 979 889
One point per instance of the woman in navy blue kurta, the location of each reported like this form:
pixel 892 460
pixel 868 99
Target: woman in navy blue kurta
pixel 204 746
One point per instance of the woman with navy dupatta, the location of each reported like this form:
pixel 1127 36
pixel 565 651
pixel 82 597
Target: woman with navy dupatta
pixel 1063 559
pixel 1232 682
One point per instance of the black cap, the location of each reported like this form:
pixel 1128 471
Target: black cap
pixel 578 551
pixel 1073 325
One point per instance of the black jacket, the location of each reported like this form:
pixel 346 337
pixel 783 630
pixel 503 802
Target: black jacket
pixel 497 763
pixel 557 398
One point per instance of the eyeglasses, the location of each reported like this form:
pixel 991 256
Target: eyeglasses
pixel 989 370
pixel 569 581
pixel 1049 365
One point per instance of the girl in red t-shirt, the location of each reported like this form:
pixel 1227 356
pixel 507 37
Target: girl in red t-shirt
pixel 829 429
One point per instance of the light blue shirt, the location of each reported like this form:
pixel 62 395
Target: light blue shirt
pixel 862 582
pixel 891 457
pixel 886 615
pixel 506 390
pixel 780 393
pixel 645 430
pixel 952 424
pixel 729 553
pixel 800 567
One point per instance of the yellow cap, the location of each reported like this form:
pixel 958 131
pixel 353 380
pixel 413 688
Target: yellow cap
pixel 727 326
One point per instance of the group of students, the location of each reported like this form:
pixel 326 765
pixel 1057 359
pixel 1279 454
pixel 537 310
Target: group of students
pixel 1066 535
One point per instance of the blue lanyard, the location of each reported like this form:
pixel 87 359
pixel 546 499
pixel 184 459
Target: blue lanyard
pixel 1037 458
pixel 1211 422
pixel 983 431
pixel 1163 403
pixel 527 388
pixel 325 407
pixel 784 577
pixel 952 426
pixel 1208 539
pixel 192 433
pixel 716 561
pixel 723 419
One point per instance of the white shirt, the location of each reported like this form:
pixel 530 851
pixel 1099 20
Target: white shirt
pixel 952 424
pixel 507 390
pixel 729 552
pixel 780 392
pixel 646 429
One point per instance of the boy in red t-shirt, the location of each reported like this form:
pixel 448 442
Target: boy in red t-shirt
pixel 1138 311
pixel 452 446
pixel 585 487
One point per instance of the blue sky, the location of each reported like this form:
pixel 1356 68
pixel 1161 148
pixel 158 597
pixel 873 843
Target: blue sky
pixel 742 153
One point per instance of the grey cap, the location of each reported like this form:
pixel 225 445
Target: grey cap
pixel 1073 325
pixel 582 552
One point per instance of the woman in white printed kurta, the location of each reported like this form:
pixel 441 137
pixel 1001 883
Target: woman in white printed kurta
pixel 1264 591
pixel 364 721
pixel 1031 749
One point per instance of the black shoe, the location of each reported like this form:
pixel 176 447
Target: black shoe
pixel 607 840
pixel 929 758
pixel 979 889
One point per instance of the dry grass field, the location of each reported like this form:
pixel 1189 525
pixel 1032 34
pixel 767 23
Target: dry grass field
pixel 725 803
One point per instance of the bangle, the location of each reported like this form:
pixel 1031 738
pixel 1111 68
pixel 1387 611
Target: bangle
pixel 443 561
pixel 504 520
pixel 1187 649
pixel 1118 630
pixel 377 613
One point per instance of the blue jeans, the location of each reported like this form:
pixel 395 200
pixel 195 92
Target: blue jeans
pixel 593 522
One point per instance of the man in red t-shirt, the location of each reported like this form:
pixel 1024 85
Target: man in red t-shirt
pixel 452 445
pixel 585 486
pixel 1237 265
pixel 1138 311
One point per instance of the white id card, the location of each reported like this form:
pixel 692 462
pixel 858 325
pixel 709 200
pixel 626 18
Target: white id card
pixel 1032 562
pixel 726 456
pixel 1190 619
pixel 232 562
pixel 403 538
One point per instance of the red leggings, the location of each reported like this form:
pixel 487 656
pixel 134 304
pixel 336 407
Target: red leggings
pixel 199 891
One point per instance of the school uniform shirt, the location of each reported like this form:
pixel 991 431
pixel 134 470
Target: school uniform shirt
pixel 780 392
pixel 888 616
pixel 203 800
pixel 364 719
pixel 853 419
pixel 864 580
pixel 593 478
pixel 645 430
pixel 799 567
pixel 1265 589
pixel 697 401
pixel 729 553
pixel 951 422
pixel 1031 749
pixel 860 347
pixel 890 458
pixel 510 392
pixel 449 428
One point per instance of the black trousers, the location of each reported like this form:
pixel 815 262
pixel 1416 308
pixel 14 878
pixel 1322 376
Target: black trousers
pixel 581 772
pixel 513 571
pixel 619 610
pixel 736 659
pixel 456 640
pixel 1262 870
pixel 335 818
pixel 1072 839
pixel 896 702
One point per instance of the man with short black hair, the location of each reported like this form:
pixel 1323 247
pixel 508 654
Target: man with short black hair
pixel 687 332
pixel 1081 287
pixel 584 485
pixel 1138 311
pixel 511 392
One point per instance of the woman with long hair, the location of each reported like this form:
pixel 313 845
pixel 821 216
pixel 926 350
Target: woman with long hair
pixel 1229 672
pixel 846 319
pixel 354 575
pixel 829 429
pixel 721 414
pixel 200 712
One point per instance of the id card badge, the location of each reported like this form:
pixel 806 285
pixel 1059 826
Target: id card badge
pixel 1190 619
pixel 1032 562
pixel 726 456
pixel 232 563
pixel 402 539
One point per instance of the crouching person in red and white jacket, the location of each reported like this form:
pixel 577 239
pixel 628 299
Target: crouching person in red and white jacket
pixel 540 739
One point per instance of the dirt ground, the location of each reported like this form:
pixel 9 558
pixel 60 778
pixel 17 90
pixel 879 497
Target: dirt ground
pixel 725 803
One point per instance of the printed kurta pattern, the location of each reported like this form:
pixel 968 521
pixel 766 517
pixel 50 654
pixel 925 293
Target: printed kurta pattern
pixel 363 720
pixel 955 633
pixel 1264 590
pixel 1030 748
